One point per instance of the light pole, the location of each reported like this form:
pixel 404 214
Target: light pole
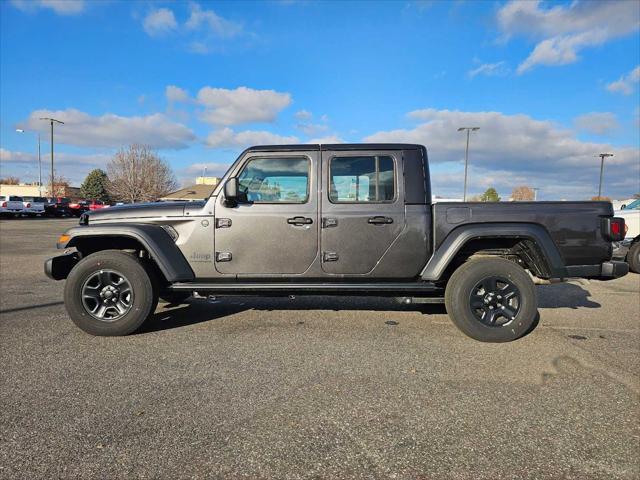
pixel 466 157
pixel 22 130
pixel 602 157
pixel 535 193
pixel 51 120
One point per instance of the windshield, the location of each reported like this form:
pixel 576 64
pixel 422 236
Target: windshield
pixel 635 205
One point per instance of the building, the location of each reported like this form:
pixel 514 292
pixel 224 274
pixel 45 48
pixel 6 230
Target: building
pixel 22 190
pixel 207 181
pixel 33 190
pixel 203 188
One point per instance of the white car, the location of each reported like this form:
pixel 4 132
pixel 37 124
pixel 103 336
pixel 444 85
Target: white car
pixel 11 205
pixel 629 248
pixel 34 206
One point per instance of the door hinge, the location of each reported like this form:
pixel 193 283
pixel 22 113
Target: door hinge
pixel 330 257
pixel 329 222
pixel 223 256
pixel 223 222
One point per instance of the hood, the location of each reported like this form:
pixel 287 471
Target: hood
pixel 139 210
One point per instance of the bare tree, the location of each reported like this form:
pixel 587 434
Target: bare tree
pixel 10 180
pixel 137 174
pixel 601 199
pixel 523 193
pixel 60 186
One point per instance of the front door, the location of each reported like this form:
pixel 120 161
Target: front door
pixel 273 230
pixel 362 209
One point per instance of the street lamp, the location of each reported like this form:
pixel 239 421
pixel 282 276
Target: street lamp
pixel 51 120
pixel 602 157
pixel 535 193
pixel 466 157
pixel 22 130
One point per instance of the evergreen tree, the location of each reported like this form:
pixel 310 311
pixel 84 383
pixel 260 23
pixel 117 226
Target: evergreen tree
pixel 94 186
pixel 490 195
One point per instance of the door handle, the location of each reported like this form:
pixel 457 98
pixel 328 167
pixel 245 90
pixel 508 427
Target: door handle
pixel 380 220
pixel 300 221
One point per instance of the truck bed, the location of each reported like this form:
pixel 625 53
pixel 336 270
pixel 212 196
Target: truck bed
pixel 575 227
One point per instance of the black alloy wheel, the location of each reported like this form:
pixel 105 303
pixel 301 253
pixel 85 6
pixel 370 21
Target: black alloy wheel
pixel 495 301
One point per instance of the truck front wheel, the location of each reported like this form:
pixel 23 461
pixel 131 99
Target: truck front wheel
pixel 109 293
pixel 492 300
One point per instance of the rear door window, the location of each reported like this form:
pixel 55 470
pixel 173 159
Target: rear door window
pixel 362 179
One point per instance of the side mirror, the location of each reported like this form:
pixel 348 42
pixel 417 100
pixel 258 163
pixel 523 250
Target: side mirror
pixel 231 188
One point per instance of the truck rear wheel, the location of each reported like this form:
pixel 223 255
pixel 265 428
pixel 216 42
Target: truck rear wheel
pixel 633 257
pixel 492 300
pixel 109 293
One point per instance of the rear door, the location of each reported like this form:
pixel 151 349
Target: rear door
pixel 274 230
pixel 362 209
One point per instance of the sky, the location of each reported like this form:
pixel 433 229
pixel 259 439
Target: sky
pixel 550 84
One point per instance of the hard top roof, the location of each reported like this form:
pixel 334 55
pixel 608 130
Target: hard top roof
pixel 335 146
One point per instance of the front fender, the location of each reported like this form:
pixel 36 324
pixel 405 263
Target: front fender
pixel 153 238
pixel 458 237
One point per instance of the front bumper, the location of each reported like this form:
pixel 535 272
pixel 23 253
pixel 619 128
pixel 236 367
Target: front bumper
pixel 605 271
pixel 58 268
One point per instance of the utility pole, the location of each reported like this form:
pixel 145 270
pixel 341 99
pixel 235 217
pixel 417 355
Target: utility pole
pixel 602 157
pixel 22 130
pixel 51 120
pixel 466 158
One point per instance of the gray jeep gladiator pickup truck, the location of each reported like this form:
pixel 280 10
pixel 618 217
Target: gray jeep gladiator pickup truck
pixel 352 219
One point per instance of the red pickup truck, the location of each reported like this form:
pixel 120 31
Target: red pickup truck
pixel 78 208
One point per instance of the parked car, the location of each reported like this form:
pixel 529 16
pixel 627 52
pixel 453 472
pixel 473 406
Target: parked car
pixel 57 207
pixel 629 248
pixel 97 205
pixel 79 207
pixel 34 206
pixel 333 220
pixel 11 205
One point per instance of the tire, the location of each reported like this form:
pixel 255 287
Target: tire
pixel 633 257
pixel 155 284
pixel 492 300
pixel 110 293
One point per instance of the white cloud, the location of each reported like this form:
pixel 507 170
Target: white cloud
pixel 303 115
pixel 109 130
pixel 197 169
pixel 310 128
pixel 226 137
pixel 176 94
pixel 203 32
pixel 61 158
pixel 329 139
pixel 597 123
pixel 61 7
pixel 199 47
pixel 540 151
pixel 212 22
pixel 625 84
pixel 563 31
pixel 243 105
pixel 72 166
pixel 160 22
pixel 489 69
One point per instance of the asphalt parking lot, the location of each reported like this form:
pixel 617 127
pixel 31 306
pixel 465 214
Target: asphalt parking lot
pixel 313 387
